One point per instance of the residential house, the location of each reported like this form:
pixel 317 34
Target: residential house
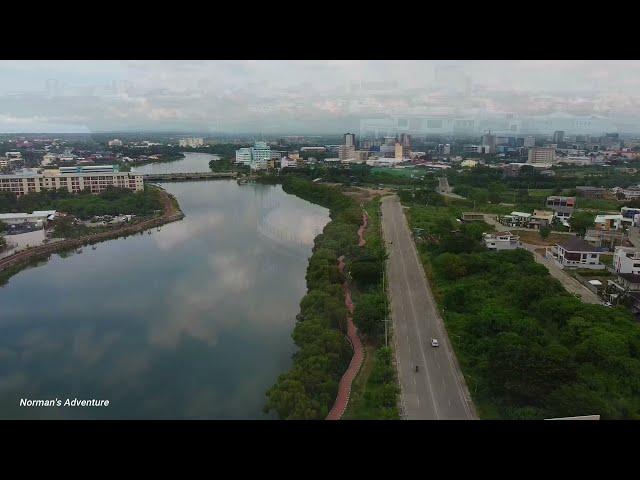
pixel 501 241
pixel 576 253
pixel 562 207
pixel 626 260
pixel 541 219
pixel 516 219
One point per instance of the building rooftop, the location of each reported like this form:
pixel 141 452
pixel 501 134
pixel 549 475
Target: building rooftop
pixel 575 244
pixel 630 277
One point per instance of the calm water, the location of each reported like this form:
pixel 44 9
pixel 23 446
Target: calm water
pixel 192 321
pixel 192 162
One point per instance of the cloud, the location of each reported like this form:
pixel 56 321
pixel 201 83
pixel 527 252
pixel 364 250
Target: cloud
pixel 304 95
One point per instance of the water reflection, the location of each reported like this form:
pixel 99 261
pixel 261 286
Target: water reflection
pixel 193 321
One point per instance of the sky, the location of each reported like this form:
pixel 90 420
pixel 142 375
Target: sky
pixel 299 97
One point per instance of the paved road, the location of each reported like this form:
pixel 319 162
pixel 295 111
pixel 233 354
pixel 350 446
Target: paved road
pixel 568 282
pixel 437 391
pixel 445 189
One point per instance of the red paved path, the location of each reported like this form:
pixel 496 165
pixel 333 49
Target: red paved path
pixel 344 388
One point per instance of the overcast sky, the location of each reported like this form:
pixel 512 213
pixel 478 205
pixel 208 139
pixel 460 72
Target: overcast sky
pixel 298 96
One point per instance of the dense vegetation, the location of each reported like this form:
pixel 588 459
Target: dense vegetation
pixel 528 349
pixel 309 389
pixel 112 201
pixel 375 391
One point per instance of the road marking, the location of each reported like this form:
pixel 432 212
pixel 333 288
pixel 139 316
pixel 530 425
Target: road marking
pixel 397 254
pixel 415 321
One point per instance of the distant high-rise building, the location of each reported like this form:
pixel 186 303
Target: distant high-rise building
pixel 446 149
pixel 346 152
pixel 489 143
pixel 390 140
pixel 405 140
pixel 542 155
pixel 399 153
pixel 530 141
pixel 350 139
pixel 558 137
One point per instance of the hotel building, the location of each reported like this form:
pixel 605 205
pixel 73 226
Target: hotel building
pixel 81 178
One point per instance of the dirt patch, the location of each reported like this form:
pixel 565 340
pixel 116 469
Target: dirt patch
pixel 364 195
pixel 534 238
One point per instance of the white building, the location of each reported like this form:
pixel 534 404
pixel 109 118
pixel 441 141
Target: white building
pixel 115 143
pixel 576 253
pixel 346 152
pixel 286 162
pixel 542 155
pixel 192 142
pixel 243 156
pixel 257 157
pixel 501 241
pixel 626 260
pixel 610 222
pixel 38 217
pixel 48 159
pixel 96 182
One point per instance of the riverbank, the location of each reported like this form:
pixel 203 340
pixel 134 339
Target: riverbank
pixel 309 389
pixel 325 356
pixel 11 265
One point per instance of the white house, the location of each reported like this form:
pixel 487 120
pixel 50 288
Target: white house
pixel 501 241
pixel 576 253
pixel 626 260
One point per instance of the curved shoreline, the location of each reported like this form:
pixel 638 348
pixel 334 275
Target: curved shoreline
pixel 171 213
pixel 344 388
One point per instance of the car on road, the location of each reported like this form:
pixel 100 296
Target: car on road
pixel 607 304
pixel 434 342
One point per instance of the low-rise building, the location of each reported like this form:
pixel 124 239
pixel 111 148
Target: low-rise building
pixel 591 192
pixel 96 182
pixel 608 222
pixel 501 241
pixel 37 218
pixel 472 217
pixel 562 207
pixel 626 282
pixel 541 219
pixel 516 219
pixel 574 252
pixel 626 260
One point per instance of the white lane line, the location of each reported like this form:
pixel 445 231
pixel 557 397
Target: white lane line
pixel 420 342
pixel 440 328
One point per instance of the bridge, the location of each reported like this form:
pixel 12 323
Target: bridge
pixel 182 177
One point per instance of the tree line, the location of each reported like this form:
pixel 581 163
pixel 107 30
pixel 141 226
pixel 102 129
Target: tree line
pixel 84 204
pixel 528 348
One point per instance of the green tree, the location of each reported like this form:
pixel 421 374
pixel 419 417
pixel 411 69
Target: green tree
pixel 580 221
pixel 544 232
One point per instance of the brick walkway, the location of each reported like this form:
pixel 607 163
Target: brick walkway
pixel 344 389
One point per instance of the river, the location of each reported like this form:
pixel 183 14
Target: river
pixel 192 321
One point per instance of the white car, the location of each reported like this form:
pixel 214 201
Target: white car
pixel 434 342
pixel 607 304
